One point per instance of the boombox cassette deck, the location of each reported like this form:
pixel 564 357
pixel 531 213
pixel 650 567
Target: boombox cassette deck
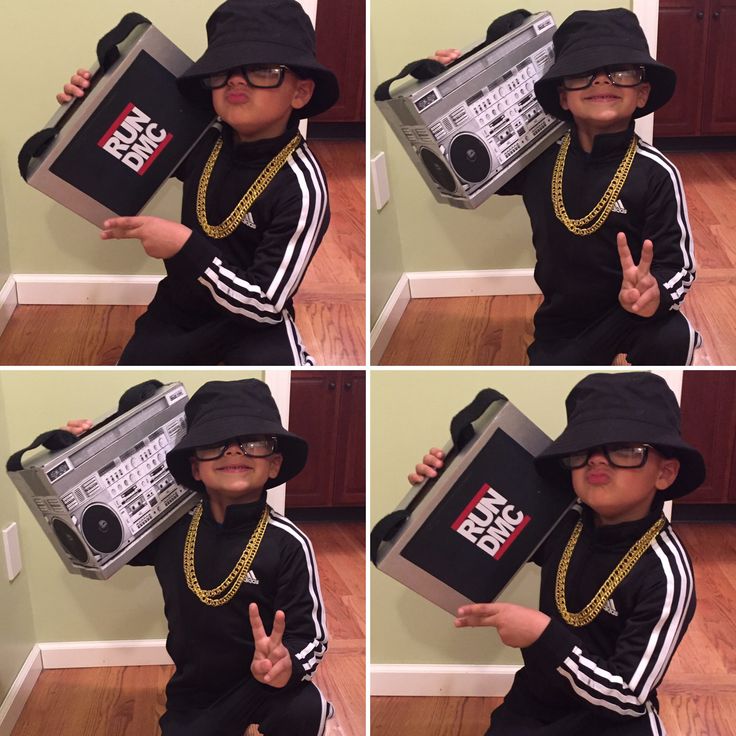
pixel 473 127
pixel 104 498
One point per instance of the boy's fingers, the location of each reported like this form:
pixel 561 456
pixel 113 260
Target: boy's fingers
pixel 256 624
pixel 277 632
pixel 281 666
pixel 478 609
pixel 647 254
pixel 624 253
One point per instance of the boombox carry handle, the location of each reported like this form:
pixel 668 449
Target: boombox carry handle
pixel 461 426
pixel 427 68
pixel 107 54
pixel 58 439
pixel 385 529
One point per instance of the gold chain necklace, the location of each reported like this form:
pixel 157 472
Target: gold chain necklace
pixel 230 585
pixel 228 225
pixel 624 567
pixel 589 224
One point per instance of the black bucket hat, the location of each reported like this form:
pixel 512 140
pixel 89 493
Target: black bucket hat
pixel 243 32
pixel 221 410
pixel 592 39
pixel 625 407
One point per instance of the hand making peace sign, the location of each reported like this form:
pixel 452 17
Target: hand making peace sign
pixel 639 289
pixel 271 663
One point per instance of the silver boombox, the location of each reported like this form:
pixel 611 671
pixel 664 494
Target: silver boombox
pixel 104 498
pixel 476 125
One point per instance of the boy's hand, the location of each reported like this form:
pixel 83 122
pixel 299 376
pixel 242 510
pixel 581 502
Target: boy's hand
pixel 271 663
pixel 446 56
pixel 516 625
pixel 77 426
pixel 429 466
pixel 160 238
pixel 75 87
pixel 639 289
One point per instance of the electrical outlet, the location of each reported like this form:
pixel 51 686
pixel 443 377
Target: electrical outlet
pixel 379 180
pixel 11 546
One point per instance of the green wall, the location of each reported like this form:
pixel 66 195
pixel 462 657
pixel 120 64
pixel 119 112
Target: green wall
pixel 63 606
pixel 17 635
pixel 429 236
pixel 4 255
pixel 411 412
pixel 41 45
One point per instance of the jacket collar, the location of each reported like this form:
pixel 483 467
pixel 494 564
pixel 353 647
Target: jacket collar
pixel 605 145
pixel 619 535
pixel 249 152
pixel 237 516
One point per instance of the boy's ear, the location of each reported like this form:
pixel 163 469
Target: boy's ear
pixel 563 98
pixel 643 91
pixel 303 93
pixel 195 468
pixel 274 466
pixel 668 471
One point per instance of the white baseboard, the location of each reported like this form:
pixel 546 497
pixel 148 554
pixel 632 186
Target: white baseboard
pixel 20 690
pixel 8 302
pixel 389 318
pixel 40 288
pixel 502 282
pixel 435 284
pixel 491 681
pixel 62 655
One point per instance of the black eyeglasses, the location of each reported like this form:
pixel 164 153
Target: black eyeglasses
pixel 264 76
pixel 249 446
pixel 619 455
pixel 619 76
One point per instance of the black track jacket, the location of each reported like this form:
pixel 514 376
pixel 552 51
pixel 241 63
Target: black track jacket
pixel 253 273
pixel 212 647
pixel 606 672
pixel 580 276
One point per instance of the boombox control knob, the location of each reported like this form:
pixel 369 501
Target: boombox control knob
pixel 471 158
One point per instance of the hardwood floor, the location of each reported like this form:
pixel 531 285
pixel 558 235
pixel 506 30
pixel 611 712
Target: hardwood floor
pixel 698 695
pixel 127 701
pixel 330 304
pixel 497 330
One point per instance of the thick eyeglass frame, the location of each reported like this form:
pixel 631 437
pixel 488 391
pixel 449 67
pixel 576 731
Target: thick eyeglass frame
pixel 217 81
pixel 241 442
pixel 580 459
pixel 609 72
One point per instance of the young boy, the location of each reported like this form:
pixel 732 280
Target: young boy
pixel 255 203
pixel 604 201
pixel 617 590
pixel 233 561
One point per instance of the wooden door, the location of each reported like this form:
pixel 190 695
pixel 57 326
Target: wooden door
pixel 709 424
pixel 340 29
pixel 681 36
pixel 327 408
pixel 719 89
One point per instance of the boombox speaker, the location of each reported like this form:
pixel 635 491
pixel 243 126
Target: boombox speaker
pixel 104 496
pixel 472 126
pixel 106 154
pixel 460 537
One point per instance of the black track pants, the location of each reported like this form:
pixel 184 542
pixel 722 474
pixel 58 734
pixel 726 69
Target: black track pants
pixel 294 711
pixel 666 340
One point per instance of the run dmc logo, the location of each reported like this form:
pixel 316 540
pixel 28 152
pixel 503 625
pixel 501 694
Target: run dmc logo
pixel 134 139
pixel 490 522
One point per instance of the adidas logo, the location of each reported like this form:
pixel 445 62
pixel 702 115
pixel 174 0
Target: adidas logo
pixel 619 207
pixel 610 607
pixel 252 579
pixel 249 221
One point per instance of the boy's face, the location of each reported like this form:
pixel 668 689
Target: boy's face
pixel 236 477
pixel 604 106
pixel 257 113
pixel 622 494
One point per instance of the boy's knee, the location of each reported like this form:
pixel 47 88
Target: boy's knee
pixel 301 712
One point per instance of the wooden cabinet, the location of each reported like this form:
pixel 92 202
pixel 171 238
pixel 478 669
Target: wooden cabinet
pixel 327 408
pixel 696 38
pixel 340 30
pixel 709 423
